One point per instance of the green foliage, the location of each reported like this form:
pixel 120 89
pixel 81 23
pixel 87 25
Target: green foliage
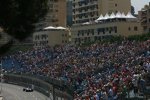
pixel 118 39
pixel 17 17
pixel 114 39
pixel 87 43
pixel 132 10
pixel 15 48
pixel 143 37
pixel 5 48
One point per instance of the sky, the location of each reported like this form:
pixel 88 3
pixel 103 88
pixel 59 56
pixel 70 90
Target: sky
pixel 138 4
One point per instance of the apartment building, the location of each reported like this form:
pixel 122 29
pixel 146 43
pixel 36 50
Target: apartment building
pixel 90 10
pixel 69 13
pixel 144 17
pixel 106 27
pixel 56 16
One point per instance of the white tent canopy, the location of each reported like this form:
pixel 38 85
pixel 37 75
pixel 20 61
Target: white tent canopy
pixel 86 23
pixel 129 15
pixel 60 28
pixel 112 16
pixel 101 17
pixel 50 27
pixel 106 17
pixel 55 28
pixel 123 15
pixel 117 15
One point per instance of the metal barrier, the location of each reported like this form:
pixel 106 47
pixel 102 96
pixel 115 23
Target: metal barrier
pixel 41 84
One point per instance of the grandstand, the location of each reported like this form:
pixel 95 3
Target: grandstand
pixel 104 70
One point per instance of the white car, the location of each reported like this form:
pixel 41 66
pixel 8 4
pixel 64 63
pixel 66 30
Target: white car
pixel 1 97
pixel 28 89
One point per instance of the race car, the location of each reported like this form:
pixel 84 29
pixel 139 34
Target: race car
pixel 28 89
pixel 1 97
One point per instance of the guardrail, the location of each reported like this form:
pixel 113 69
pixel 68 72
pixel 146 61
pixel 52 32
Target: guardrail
pixel 44 85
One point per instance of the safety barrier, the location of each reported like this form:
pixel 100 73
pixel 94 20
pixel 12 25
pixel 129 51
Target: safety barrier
pixel 44 85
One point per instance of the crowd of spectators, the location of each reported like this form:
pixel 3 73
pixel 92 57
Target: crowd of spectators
pixel 104 71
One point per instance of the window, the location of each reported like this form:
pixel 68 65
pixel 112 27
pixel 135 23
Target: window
pixel 89 39
pixel 95 38
pixel 93 33
pixel 87 34
pixel 129 29
pixel 55 0
pixel 110 32
pixel 116 5
pixel 44 36
pixel 37 37
pixel 135 28
pixel 56 10
pixel 98 30
pixel 103 30
pixel 115 28
pixel 82 34
pixel 107 29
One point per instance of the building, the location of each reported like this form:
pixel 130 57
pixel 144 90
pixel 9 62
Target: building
pixel 51 36
pixel 56 15
pixel 106 27
pixel 144 17
pixel 69 13
pixel 109 6
pixel 90 10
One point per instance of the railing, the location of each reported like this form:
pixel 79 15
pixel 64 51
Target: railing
pixel 41 84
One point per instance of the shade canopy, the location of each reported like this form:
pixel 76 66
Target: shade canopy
pixel 117 15
pixel 60 28
pixel 54 28
pixel 49 27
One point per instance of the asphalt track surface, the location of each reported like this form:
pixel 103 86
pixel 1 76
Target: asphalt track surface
pixel 14 92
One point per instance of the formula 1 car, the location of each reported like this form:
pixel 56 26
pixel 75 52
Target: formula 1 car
pixel 28 89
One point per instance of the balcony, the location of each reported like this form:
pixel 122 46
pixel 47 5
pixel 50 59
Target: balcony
pixel 87 5
pixel 144 24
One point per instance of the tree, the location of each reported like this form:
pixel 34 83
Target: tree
pixel 18 17
pixel 132 10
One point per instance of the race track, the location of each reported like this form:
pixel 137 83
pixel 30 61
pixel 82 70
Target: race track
pixel 14 92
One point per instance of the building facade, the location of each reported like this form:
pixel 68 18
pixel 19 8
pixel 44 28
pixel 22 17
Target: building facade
pixel 69 13
pixel 56 15
pixel 144 17
pixel 51 37
pixel 105 29
pixel 109 6
pixel 4 38
pixel 90 10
